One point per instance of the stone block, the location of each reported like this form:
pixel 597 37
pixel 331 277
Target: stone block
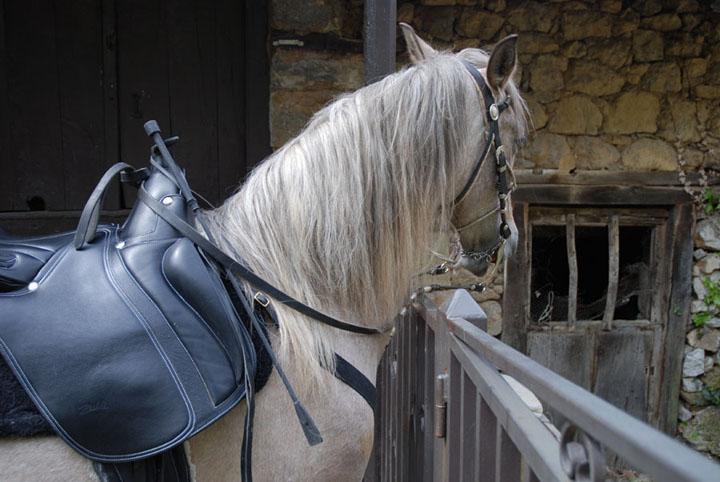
pixel 694 363
pixel 692 385
pixel 707 339
pixel 479 24
pixel 575 50
pixel 707 234
pixel 586 24
pixel 405 13
pixel 437 21
pixel 684 414
pixel 711 378
pixel 696 67
pixel 538 116
pixel 547 151
pixel 290 111
pixel 587 78
pixel 633 112
pixel 576 115
pixel 435 3
pixel 634 73
pixel 708 264
pixel 546 73
pixel 647 7
pixel 303 16
pixel 708 91
pixel 699 288
pixel 611 6
pixel 648 46
pixel 703 431
pixel 537 43
pixel 694 399
pixel 699 254
pixel 614 52
pixel 295 69
pixel 696 306
pixel 534 16
pixel 594 153
pixel 650 155
pixel 665 22
pixel 685 45
pixel 663 77
pixel 685 123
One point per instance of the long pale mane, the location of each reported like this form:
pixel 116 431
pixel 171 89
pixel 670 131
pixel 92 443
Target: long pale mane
pixel 343 215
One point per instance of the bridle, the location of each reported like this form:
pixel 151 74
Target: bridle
pixel 503 184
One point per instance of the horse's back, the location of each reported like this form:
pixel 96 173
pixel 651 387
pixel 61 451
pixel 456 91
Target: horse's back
pixel 42 459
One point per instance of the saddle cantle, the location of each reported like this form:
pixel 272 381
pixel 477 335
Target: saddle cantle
pixel 123 336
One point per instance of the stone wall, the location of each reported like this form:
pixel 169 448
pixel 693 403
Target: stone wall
pixel 611 85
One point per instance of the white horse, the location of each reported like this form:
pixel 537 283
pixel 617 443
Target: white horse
pixel 341 217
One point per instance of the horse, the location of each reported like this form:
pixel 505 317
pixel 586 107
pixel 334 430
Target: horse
pixel 343 217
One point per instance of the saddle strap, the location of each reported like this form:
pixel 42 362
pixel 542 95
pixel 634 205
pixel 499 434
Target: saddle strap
pixel 354 378
pixel 238 269
pixel 87 226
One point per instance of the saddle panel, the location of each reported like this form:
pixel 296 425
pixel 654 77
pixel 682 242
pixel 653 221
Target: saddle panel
pixel 70 343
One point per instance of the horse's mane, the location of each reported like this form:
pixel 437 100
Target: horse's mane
pixel 342 216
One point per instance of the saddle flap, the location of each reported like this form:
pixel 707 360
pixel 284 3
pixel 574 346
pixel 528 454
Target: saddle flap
pixel 212 339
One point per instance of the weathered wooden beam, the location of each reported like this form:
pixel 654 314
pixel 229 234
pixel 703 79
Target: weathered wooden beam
pixel 609 178
pixel 379 30
pixel 572 268
pixel 613 270
pixel 614 195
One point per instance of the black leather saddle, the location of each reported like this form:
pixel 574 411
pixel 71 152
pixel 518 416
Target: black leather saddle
pixel 131 339
pixel 124 337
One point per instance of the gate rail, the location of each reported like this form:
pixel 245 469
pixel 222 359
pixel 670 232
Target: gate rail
pixel 447 413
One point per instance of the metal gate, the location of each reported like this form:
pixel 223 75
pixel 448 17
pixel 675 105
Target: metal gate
pixel 447 412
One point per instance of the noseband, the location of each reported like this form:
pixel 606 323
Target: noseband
pixel 504 187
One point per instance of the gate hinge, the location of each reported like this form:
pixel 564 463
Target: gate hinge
pixel 440 415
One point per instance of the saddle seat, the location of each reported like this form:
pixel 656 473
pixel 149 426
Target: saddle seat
pixel 123 336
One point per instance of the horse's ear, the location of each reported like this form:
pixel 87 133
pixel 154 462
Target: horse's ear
pixel 501 65
pixel 418 49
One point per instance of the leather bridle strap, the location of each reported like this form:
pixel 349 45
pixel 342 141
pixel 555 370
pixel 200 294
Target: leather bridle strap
pixel 493 114
pixel 243 272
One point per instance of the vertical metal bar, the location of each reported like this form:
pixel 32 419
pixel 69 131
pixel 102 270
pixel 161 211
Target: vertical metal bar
pixel 428 455
pixel 379 28
pixel 468 423
pixel 454 432
pixel 508 458
pixel 487 438
pixel 613 270
pixel 572 267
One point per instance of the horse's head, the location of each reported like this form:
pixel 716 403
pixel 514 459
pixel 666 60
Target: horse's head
pixel 481 207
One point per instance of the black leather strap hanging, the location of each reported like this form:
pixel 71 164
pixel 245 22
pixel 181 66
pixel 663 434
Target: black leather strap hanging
pixel 243 272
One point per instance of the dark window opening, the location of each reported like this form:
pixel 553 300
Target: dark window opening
pixel 551 272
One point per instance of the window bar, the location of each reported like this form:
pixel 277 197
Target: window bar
pixel 613 270
pixel 572 268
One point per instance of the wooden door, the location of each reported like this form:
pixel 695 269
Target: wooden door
pixel 599 293
pixel 78 79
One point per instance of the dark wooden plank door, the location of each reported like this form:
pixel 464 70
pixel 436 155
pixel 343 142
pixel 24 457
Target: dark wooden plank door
pixel 79 79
